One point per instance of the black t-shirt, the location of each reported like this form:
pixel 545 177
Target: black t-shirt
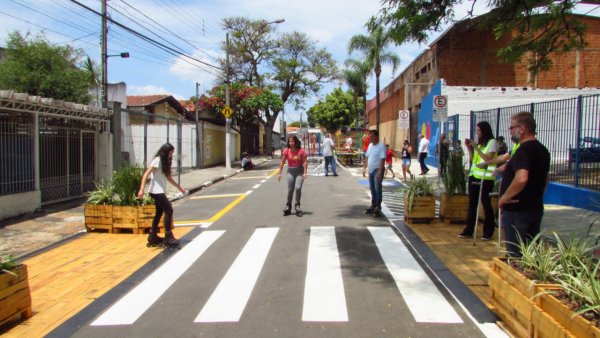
pixel 535 158
pixel 405 153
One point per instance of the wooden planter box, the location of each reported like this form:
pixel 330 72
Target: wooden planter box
pixel 513 296
pixel 125 217
pixel 15 297
pixel 98 217
pixel 562 315
pixel 454 208
pixel 423 208
pixel 146 216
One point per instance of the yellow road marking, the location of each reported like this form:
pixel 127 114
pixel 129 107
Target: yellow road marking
pixel 227 208
pixel 214 196
pixel 273 173
pixel 221 212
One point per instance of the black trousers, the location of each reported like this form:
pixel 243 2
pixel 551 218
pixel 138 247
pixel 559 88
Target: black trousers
pixel 422 157
pixel 163 205
pixel 486 202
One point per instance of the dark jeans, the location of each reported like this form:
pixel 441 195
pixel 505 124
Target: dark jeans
pixel 376 187
pixel 330 160
pixel 520 226
pixel 422 157
pixel 486 202
pixel 163 205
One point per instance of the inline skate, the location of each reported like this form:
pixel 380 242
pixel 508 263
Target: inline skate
pixel 298 210
pixel 288 210
pixel 169 242
pixel 153 239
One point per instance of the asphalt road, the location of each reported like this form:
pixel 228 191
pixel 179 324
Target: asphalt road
pixel 248 271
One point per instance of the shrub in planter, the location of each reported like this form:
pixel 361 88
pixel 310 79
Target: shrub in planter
pixel 455 201
pixel 419 202
pixel 15 296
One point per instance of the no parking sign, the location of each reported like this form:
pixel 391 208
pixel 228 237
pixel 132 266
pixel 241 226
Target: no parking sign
pixel 440 108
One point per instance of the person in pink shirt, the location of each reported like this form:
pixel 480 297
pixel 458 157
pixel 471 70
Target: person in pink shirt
pixel 296 159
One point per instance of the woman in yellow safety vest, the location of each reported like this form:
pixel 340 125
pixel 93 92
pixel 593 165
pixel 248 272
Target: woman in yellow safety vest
pixel 484 150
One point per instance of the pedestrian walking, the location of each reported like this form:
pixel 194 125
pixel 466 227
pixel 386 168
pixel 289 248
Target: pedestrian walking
pixel 159 171
pixel 375 164
pixel 481 181
pixel 406 151
pixel 328 146
pixel 442 152
pixel 389 158
pixel 523 184
pixel 297 161
pixel 423 151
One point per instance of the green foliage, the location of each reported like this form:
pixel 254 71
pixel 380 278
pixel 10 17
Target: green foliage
pixel 103 195
pixel 413 189
pixel 583 288
pixel 34 66
pixel 455 176
pixel 539 258
pixel 337 110
pixel 126 184
pixel 298 124
pixel 122 189
pixel 541 27
pixel 7 263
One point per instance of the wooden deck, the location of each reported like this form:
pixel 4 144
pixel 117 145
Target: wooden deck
pixel 68 278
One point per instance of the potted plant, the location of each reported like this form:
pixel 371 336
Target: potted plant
pixel 419 202
pixel 15 296
pixel 114 205
pixel 454 204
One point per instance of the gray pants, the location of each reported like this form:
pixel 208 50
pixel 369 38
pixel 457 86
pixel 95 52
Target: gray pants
pixel 294 181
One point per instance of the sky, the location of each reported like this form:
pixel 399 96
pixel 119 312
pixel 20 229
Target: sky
pixel 194 27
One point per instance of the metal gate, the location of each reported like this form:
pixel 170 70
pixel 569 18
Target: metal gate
pixel 67 160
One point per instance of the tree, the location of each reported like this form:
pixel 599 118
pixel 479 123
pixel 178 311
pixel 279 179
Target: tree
pixel 93 74
pixel 292 66
pixel 356 74
pixel 375 47
pixel 34 66
pixel 335 111
pixel 541 26
pixel 298 124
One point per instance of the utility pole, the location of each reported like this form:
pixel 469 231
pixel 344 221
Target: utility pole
pixel 227 119
pixel 104 57
pixel 198 131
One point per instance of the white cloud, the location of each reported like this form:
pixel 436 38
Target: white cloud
pixel 152 90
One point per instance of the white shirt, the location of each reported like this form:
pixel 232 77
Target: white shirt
pixel 349 143
pixel 424 145
pixel 158 180
pixel 328 147
pixel 375 153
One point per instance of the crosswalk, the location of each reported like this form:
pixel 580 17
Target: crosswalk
pixel 324 288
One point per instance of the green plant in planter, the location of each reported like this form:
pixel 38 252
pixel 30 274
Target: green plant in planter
pixel 413 189
pixel 575 254
pixel 455 176
pixel 103 195
pixel 126 182
pixel 7 263
pixel 583 288
pixel 539 258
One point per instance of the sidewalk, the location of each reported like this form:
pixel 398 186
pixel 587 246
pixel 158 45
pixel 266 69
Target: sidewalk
pixel 28 234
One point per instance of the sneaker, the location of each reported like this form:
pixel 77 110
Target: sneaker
pixel 486 238
pixel 369 210
pixel 377 212
pixel 464 236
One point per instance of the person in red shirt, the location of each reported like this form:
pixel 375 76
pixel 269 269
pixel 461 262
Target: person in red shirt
pixel 296 173
pixel 365 145
pixel 389 154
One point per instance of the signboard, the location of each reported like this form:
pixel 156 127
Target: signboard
pixel 403 119
pixel 440 108
pixel 227 112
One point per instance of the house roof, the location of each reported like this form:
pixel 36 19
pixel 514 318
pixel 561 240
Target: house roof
pixel 152 100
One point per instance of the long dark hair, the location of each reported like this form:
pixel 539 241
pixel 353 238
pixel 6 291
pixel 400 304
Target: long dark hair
pixel 297 143
pixel 165 160
pixel 486 133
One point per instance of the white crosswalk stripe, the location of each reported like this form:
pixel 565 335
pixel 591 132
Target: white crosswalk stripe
pixel 324 292
pixel 393 206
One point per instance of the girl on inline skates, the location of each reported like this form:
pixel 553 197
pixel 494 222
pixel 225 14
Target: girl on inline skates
pixel 296 173
pixel 159 171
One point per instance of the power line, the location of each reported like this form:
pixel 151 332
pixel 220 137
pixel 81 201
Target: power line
pixel 152 41
pixel 78 27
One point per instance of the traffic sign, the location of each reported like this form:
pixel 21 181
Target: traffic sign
pixel 403 119
pixel 440 108
pixel 227 111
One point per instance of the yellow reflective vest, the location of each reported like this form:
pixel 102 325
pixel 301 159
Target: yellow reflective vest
pixel 478 173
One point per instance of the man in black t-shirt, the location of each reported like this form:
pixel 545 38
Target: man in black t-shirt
pixel 523 184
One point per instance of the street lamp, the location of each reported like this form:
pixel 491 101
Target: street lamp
pixel 123 55
pixel 228 151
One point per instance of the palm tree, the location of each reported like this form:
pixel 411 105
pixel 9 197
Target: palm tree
pixel 93 75
pixel 375 46
pixel 356 75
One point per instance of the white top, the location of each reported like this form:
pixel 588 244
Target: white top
pixel 349 143
pixel 245 160
pixel 328 147
pixel 424 145
pixel 493 146
pixel 158 180
pixel 375 153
